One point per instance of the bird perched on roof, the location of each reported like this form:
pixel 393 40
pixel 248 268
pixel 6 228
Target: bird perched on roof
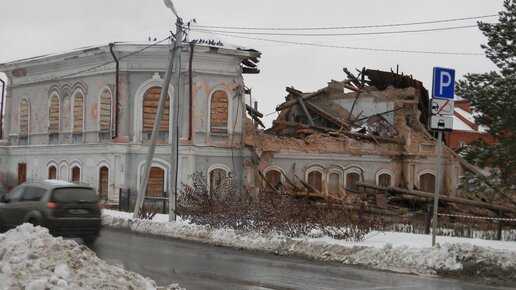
pixel 170 5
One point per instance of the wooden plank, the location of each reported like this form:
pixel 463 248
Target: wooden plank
pixel 327 116
pixel 352 77
pixel 430 196
pixel 260 173
pixel 307 114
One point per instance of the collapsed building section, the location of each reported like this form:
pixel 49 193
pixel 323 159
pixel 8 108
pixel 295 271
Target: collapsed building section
pixel 363 140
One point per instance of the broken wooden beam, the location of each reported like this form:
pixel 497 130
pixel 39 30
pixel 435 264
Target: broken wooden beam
pixel 352 77
pixel 478 173
pixel 284 124
pixel 327 115
pixel 253 111
pixel 308 186
pixel 266 181
pixel 290 182
pixel 258 121
pixel 305 110
pixel 429 195
pixel 399 141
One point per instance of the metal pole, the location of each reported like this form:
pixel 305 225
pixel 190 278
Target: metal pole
pixel 159 114
pixel 437 184
pixel 2 111
pixel 174 152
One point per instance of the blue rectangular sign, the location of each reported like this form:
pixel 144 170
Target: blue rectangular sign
pixel 443 84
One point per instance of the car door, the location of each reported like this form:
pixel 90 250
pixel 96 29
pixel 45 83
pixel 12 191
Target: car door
pixel 30 203
pixel 9 212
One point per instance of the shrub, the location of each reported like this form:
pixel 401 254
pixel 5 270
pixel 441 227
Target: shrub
pixel 225 207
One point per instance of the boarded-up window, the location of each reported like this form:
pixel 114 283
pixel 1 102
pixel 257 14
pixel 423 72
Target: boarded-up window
pixel 384 179
pixel 105 111
pixel 217 178
pixel 427 182
pixel 76 174
pixel 22 172
pixel 53 115
pixel 78 113
pixel 156 182
pixel 219 113
pixel 334 183
pixel 24 117
pixel 150 108
pixel 103 182
pixel 273 176
pixel 315 180
pixel 351 181
pixel 52 172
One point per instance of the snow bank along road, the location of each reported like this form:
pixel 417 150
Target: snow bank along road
pixel 31 259
pixel 491 261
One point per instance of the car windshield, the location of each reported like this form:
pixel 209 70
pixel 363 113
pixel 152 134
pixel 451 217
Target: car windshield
pixel 74 194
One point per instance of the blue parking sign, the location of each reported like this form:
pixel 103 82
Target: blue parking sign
pixel 443 84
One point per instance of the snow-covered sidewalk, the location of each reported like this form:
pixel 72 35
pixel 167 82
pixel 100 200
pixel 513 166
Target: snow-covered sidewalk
pixel 400 252
pixel 31 259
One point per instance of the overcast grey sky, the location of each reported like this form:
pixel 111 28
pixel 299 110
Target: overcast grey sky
pixel 34 27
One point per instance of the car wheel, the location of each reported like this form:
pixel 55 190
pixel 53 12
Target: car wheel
pixel 34 222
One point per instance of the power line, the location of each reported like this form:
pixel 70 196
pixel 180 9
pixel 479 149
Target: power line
pixel 347 47
pixel 107 63
pixel 346 27
pixel 337 34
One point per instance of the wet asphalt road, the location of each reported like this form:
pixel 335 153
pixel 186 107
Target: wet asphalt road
pixel 199 266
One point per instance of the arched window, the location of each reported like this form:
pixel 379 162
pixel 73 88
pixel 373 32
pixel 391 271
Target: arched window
pixel 53 119
pixel 76 174
pixel 52 172
pixel 103 182
pixel 351 181
pixel 156 182
pixel 273 176
pixel 384 179
pixel 105 115
pixel 334 182
pixel 78 116
pixel 219 112
pixel 24 117
pixel 427 182
pixel 150 108
pixel 218 177
pixel 24 122
pixel 315 180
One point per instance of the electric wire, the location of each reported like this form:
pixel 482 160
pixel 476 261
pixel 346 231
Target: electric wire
pixel 106 63
pixel 348 47
pixel 348 27
pixel 337 34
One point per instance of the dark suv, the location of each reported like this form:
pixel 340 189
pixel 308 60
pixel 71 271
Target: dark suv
pixel 66 209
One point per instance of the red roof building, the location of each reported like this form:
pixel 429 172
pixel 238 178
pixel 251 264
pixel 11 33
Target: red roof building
pixel 465 131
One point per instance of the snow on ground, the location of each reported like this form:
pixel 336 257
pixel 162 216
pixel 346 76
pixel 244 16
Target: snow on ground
pixel 31 259
pixel 400 252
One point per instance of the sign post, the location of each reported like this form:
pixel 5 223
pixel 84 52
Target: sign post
pixel 441 119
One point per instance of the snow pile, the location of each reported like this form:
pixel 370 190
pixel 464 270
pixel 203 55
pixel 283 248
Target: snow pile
pixel 401 252
pixel 31 259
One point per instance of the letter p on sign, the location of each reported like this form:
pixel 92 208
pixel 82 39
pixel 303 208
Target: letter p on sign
pixel 443 85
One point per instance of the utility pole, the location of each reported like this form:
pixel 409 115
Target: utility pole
pixel 174 152
pixel 173 57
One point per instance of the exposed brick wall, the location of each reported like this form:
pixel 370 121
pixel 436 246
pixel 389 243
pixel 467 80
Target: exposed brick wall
pixel 219 113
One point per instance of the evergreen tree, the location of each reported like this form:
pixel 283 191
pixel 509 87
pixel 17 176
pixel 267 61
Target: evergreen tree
pixel 493 95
